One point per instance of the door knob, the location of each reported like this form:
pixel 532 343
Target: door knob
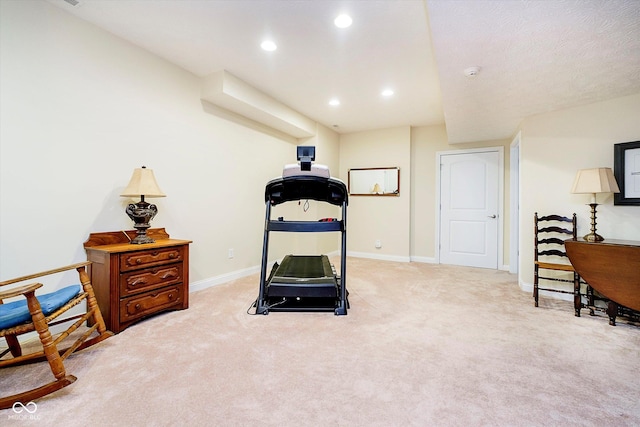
pixel 491 216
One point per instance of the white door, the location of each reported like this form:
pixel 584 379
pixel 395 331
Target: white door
pixel 469 209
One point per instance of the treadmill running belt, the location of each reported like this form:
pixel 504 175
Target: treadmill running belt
pixel 303 276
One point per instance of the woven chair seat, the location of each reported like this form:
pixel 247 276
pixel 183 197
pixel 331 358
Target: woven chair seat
pixel 16 313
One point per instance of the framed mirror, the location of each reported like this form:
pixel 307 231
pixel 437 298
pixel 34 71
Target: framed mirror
pixel 374 182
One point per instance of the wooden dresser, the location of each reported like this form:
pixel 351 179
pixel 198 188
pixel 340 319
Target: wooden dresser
pixel 132 282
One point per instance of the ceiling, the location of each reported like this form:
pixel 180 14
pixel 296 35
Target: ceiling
pixel 533 56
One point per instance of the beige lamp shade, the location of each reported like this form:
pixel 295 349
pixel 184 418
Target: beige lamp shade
pixel 142 183
pixel 593 181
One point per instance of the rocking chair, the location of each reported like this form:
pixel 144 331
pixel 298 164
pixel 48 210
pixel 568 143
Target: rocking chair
pixel 33 313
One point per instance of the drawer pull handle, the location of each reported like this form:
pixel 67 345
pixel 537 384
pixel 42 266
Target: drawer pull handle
pixel 169 275
pixel 170 296
pixel 139 282
pixel 138 261
pixel 172 255
pixel 137 307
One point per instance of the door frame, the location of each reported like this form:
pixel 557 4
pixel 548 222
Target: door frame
pixel 500 151
pixel 514 206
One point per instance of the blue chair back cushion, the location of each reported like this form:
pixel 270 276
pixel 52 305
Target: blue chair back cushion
pixel 16 313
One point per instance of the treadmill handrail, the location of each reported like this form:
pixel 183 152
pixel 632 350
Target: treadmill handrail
pixel 305 226
pixel 304 187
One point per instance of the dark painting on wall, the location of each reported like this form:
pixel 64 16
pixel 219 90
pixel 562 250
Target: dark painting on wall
pixel 626 169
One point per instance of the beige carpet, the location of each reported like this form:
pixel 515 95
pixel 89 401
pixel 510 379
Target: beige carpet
pixel 422 345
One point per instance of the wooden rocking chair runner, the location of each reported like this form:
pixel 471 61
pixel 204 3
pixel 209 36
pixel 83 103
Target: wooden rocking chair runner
pixel 37 314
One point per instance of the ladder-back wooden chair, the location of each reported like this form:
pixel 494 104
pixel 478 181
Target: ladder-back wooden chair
pixel 30 313
pixel 550 255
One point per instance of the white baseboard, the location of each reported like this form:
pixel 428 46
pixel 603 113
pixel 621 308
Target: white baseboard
pixel 228 277
pixel 396 258
pixel 223 278
pixel 423 259
pixel 528 287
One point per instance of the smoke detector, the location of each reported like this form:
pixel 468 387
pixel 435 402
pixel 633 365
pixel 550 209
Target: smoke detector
pixel 471 71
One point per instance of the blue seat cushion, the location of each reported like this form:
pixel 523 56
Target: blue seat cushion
pixel 17 312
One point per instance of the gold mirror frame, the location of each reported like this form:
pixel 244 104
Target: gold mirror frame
pixel 374 182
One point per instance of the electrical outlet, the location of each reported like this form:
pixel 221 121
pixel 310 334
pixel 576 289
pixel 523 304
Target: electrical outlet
pixel 378 244
pixel 230 253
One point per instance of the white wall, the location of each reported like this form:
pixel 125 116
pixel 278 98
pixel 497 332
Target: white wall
pixel 80 109
pixel 554 146
pixel 426 142
pixel 406 225
pixel 379 218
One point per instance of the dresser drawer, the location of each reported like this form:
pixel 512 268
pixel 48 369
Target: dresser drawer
pixel 137 281
pixel 149 258
pixel 149 303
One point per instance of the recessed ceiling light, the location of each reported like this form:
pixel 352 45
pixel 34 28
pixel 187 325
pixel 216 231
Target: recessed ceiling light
pixel 334 102
pixel 343 21
pixel 387 93
pixel 268 45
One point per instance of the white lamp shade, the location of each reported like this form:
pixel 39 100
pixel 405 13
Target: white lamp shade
pixel 597 180
pixel 142 183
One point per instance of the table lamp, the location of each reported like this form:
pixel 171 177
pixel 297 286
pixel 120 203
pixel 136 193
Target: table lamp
pixel 142 184
pixel 594 181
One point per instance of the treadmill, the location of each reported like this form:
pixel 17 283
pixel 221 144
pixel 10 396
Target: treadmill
pixel 304 282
